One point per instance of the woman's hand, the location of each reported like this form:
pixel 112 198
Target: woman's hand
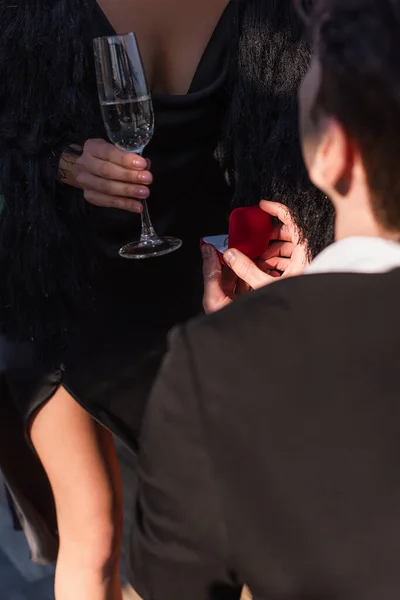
pixel 286 256
pixel 109 176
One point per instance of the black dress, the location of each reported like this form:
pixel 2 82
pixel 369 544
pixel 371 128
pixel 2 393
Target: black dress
pixel 117 343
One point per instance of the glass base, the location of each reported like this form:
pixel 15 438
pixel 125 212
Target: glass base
pixel 150 248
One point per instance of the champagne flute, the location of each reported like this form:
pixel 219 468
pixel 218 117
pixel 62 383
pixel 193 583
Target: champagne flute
pixel 128 117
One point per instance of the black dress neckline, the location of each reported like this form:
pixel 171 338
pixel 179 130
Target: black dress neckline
pixel 192 93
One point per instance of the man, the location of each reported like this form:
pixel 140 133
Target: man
pixel 271 448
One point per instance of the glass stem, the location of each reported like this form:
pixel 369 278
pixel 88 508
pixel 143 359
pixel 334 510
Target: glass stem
pixel 148 233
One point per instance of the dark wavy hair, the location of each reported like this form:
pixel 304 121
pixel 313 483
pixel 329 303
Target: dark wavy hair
pixel 48 103
pixel 262 145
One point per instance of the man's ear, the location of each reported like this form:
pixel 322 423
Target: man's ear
pixel 330 166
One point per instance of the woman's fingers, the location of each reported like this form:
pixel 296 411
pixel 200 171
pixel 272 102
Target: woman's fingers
pixel 110 153
pixel 109 187
pixel 214 297
pixel 99 199
pixel 111 171
pixel 246 269
pixel 113 178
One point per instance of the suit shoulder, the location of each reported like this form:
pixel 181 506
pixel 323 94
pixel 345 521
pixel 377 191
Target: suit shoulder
pixel 267 303
pixel 288 309
pixel 246 323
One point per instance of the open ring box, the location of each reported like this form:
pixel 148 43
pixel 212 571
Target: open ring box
pixel 250 230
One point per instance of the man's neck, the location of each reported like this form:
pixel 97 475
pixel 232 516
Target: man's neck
pixel 355 219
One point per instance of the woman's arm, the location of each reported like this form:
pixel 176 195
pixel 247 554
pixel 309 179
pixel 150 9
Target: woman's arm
pixel 81 463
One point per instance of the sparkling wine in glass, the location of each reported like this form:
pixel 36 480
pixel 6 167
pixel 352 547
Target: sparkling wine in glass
pixel 128 117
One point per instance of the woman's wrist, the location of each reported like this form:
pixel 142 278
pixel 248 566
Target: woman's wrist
pixel 69 168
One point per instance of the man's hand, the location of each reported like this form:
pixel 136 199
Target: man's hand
pixel 287 253
pixel 286 256
pixel 223 284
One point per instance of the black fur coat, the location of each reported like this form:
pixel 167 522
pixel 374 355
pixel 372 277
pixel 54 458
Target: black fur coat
pixel 48 102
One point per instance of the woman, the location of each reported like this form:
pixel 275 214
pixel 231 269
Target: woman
pixel 83 330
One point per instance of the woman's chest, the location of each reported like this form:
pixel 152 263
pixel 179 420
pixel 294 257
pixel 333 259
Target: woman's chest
pixel 172 34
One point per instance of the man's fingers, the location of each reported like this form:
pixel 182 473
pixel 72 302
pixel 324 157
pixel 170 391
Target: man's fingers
pixel 246 270
pixel 282 233
pixel 279 248
pixel 212 270
pixel 275 209
pixel 229 281
pixel 287 230
pixel 242 288
pixel 214 297
pixel 275 274
pixel 277 263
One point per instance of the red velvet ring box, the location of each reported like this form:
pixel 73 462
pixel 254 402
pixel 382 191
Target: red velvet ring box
pixel 250 230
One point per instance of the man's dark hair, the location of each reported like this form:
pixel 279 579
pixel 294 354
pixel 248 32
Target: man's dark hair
pixel 357 43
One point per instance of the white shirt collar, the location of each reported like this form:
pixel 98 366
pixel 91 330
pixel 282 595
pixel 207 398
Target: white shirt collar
pixel 357 255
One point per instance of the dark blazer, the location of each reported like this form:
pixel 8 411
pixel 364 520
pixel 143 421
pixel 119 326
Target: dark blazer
pixel 271 448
